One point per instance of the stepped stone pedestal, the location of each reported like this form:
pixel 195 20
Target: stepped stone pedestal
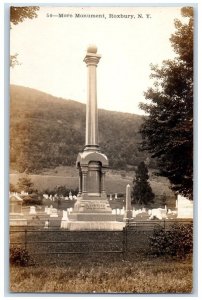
pixel 87 225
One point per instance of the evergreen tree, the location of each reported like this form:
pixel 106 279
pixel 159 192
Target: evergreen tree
pixel 142 193
pixel 168 129
pixel 163 200
pixel 25 184
pixel 12 187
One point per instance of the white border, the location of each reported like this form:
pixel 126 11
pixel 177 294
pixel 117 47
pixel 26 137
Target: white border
pixel 198 132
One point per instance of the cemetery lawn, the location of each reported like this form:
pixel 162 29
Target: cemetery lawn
pixel 83 274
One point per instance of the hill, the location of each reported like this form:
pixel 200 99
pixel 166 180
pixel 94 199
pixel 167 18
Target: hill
pixel 47 131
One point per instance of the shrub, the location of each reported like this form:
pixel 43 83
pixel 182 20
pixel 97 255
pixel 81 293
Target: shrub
pixel 61 190
pixel 177 241
pixel 20 257
pixel 32 199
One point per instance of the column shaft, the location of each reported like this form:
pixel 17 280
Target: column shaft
pixel 91 109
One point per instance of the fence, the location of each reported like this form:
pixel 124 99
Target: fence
pixel 55 241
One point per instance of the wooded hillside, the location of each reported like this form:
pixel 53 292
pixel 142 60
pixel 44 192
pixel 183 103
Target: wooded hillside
pixel 47 131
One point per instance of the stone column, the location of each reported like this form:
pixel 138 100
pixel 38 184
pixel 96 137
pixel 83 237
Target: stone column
pixel 103 183
pixel 84 181
pixel 128 211
pixel 80 183
pixel 92 59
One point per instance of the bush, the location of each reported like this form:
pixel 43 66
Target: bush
pixel 61 190
pixel 32 199
pixel 20 257
pixel 177 241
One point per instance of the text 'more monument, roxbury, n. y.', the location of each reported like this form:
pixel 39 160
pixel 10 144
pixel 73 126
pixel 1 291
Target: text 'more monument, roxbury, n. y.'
pixel 92 209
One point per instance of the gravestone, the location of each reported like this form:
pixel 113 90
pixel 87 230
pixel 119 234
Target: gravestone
pixel 16 217
pixel 184 208
pixel 32 210
pixel 128 216
pixel 54 213
pixel 46 226
pixel 159 213
pixel 65 220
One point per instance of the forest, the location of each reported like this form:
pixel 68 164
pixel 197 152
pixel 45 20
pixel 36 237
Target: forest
pixel 47 131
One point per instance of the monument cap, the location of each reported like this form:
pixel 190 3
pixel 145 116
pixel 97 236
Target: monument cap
pixel 92 49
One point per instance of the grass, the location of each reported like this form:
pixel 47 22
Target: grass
pixel 104 274
pixel 98 272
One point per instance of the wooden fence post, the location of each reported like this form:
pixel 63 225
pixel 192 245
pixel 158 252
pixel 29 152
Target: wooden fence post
pixel 123 243
pixel 25 239
pixel 126 239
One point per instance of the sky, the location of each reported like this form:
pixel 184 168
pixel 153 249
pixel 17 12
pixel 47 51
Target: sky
pixel 51 52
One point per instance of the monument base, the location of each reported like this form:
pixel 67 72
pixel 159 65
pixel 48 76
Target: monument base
pixel 90 208
pixel 92 204
pixel 92 216
pixel 90 225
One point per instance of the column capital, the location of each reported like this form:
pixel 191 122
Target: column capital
pixel 84 170
pixel 92 59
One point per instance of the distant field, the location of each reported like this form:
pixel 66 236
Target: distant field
pixel 41 182
pixel 116 181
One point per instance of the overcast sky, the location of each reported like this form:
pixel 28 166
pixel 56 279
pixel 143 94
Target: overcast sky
pixel 51 51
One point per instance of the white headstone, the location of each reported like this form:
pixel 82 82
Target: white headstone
pixel 159 213
pixel 64 215
pixel 133 213
pixel 48 211
pixel 184 207
pixel 65 220
pixel 46 225
pixel 54 213
pixel 32 210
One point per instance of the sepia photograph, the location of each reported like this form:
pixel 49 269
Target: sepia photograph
pixel 101 195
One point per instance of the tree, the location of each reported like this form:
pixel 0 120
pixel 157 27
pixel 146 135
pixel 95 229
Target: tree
pixel 142 193
pixel 12 187
pixel 17 15
pixel 25 184
pixel 167 131
pixel 163 199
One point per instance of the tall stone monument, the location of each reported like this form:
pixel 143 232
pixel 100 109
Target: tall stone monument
pixel 128 211
pixel 92 203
